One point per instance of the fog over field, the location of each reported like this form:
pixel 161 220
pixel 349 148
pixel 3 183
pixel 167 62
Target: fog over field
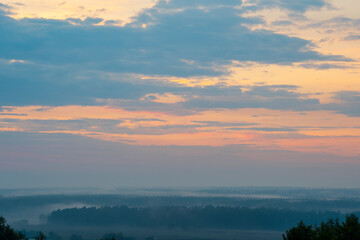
pixel 167 213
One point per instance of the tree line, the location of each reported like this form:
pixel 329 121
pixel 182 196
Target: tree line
pixel 330 230
pixel 7 233
pixel 10 204
pixel 221 217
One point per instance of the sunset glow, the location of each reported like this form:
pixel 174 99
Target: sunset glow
pixel 261 75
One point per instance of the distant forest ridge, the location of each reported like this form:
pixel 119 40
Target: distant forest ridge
pixel 254 192
pixel 220 217
pixel 12 203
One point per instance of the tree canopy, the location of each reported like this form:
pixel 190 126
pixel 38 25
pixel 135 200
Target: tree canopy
pixel 330 230
pixel 6 232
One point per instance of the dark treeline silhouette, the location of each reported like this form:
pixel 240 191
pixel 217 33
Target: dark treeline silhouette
pixel 349 229
pixel 330 230
pixel 12 203
pixel 7 233
pixel 188 217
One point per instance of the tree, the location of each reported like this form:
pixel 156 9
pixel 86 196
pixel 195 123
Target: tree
pixel 53 236
pixel 350 229
pixel 7 233
pixel 330 230
pixel 113 236
pixel 41 236
pixel 301 232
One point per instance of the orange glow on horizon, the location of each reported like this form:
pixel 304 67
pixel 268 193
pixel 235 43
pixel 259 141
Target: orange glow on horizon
pixel 313 131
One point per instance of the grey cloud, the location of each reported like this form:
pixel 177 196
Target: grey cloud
pixel 59 87
pixel 86 21
pixel 203 38
pixel 31 84
pixel 4 9
pixel 75 64
pixel 267 129
pixel 323 66
pixel 224 124
pixel 147 119
pixel 12 114
pixel 280 23
pixel 139 105
pixel 246 101
pixel 283 97
pixel 353 37
pixel 274 91
pixel 96 126
pixel 349 105
pixel 4 6
pixel 103 126
pixel 268 96
pixel 337 23
pixel 297 6
pixel 34 84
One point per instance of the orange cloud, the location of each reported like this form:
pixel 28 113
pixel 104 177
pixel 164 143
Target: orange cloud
pixel 318 131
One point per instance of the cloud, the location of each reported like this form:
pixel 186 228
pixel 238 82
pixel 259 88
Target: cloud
pixel 297 6
pixel 337 23
pixel 86 21
pixel 197 99
pixel 186 42
pixel 353 37
pixel 349 103
pixel 73 62
pixel 4 9
pixel 254 102
pixel 34 84
pixel 129 126
pixel 4 6
pixel 272 97
pixel 323 66
pixel 224 124
pixel 69 86
pixel 267 129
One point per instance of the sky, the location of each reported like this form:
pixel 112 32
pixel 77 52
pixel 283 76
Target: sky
pixel 170 93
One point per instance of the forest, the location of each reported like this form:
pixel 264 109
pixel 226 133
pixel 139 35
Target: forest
pixel 219 217
pixel 177 214
pixel 332 229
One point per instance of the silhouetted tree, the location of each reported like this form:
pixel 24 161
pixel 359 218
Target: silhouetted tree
pixel 53 236
pixel 7 233
pixel 41 236
pixel 330 230
pixel 350 229
pixel 113 236
pixel 301 232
